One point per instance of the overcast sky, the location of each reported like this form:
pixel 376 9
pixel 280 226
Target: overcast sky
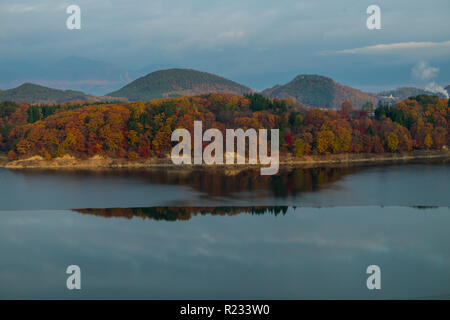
pixel 256 42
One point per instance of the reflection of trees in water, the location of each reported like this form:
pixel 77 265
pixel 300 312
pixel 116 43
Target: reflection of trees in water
pixel 220 182
pixel 186 213
pixel 180 213
pixel 306 180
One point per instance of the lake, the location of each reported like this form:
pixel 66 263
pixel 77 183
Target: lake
pixel 201 234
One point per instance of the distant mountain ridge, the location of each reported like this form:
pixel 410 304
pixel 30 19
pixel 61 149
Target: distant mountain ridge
pixel 311 90
pixel 178 82
pixel 406 92
pixel 320 91
pixel 72 73
pixel 33 93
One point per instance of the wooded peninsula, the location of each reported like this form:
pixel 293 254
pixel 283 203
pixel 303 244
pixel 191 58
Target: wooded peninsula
pixel 129 133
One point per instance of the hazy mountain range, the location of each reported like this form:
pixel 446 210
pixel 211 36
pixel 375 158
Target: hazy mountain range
pixel 81 75
pixel 74 73
pixel 33 93
pixel 406 92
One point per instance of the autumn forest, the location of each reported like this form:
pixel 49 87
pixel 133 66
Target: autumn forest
pixel 140 130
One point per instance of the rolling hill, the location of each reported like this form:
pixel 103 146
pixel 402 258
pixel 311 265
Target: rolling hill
pixel 177 82
pixel 33 93
pixel 320 91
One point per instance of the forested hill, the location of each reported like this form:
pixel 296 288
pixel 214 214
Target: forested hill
pixel 141 130
pixel 33 93
pixel 36 94
pixel 320 91
pixel 178 82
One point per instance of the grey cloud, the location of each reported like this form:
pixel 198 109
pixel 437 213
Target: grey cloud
pixel 259 42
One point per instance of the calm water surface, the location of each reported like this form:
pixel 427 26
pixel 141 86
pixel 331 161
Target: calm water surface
pixel 202 235
pixel 397 185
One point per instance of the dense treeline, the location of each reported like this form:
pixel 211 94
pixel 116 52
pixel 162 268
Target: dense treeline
pixel 143 129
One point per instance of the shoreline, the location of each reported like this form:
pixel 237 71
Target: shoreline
pixel 99 162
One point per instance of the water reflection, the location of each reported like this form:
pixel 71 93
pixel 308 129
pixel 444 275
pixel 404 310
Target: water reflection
pixel 187 213
pixel 394 185
pixel 305 253
pixel 180 213
pixel 216 183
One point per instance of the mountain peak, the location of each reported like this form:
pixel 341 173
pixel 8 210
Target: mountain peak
pixel 178 82
pixel 320 91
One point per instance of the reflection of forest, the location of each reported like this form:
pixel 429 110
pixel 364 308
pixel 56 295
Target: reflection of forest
pixel 180 213
pixel 186 213
pixel 222 182
pixel 286 183
pixel 218 183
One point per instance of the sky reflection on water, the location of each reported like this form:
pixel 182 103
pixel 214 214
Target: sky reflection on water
pixel 304 253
